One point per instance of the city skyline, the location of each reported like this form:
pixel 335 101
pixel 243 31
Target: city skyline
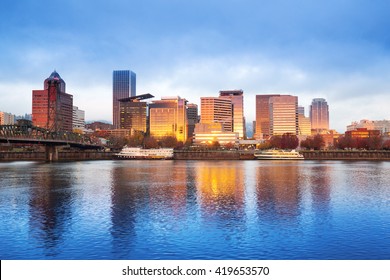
pixel 332 50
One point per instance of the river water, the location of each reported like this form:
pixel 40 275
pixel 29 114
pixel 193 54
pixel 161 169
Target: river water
pixel 195 210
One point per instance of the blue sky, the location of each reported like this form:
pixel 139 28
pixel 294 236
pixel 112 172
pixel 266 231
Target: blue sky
pixel 338 50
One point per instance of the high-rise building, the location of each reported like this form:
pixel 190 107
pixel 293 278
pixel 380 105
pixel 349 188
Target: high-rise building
pixel 78 118
pixel 237 98
pixel 133 112
pixel 275 115
pixel 319 114
pixel 217 110
pixel 52 108
pixel 192 118
pixel 168 117
pixel 283 114
pixel 6 118
pixel 263 116
pixel 304 125
pixel 123 86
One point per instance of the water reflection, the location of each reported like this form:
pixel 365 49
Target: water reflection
pixel 221 192
pixel 153 194
pixel 195 210
pixel 123 207
pixel 50 207
pixel 278 192
pixel 320 189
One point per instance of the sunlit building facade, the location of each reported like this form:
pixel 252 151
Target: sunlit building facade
pixel 123 86
pixel 52 108
pixel 263 116
pixel 319 114
pixel 283 115
pixel 217 110
pixel 237 98
pixel 304 124
pixel 208 133
pixel 276 115
pixel 168 117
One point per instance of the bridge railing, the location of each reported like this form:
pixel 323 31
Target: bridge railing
pixel 38 133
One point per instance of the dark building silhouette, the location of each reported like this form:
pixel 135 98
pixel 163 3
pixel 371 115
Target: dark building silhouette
pixel 133 112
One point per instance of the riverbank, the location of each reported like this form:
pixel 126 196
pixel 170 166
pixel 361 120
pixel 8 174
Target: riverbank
pixel 62 156
pixel 197 155
pixel 346 155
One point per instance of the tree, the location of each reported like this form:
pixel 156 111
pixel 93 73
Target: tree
pixel 375 142
pixel 386 145
pixel 318 142
pixel 168 142
pixel 289 141
pixel 229 146
pixel 215 144
pixel 346 142
pixel 276 142
pixel 264 146
pixel 307 143
pixel 136 139
pixel 150 142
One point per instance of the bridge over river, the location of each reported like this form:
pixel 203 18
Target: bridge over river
pixel 28 134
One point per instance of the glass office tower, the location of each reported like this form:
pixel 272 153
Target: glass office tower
pixel 319 114
pixel 123 86
pixel 237 98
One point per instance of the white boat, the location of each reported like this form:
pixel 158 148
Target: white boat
pixel 139 153
pixel 278 154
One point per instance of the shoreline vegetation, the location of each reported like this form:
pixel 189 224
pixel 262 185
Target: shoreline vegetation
pixel 379 155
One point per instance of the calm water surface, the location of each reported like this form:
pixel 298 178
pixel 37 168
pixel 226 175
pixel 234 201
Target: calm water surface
pixel 195 210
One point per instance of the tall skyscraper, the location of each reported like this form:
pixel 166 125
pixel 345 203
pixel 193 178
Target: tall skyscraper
pixel 123 86
pixel 283 114
pixel 263 116
pixel 192 118
pixel 168 117
pixel 52 108
pixel 217 110
pixel 237 98
pixel 275 115
pixel 319 114
pixel 133 112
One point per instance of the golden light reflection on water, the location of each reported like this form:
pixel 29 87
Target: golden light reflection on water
pixel 220 187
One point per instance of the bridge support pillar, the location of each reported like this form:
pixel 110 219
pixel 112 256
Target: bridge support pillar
pixel 51 153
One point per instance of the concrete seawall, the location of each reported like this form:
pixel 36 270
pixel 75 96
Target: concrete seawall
pixel 197 155
pixel 62 156
pixel 346 155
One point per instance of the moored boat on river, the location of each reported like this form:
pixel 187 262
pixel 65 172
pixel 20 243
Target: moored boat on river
pixel 140 153
pixel 278 155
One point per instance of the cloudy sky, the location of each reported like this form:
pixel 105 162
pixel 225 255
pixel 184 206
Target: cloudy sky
pixel 335 49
